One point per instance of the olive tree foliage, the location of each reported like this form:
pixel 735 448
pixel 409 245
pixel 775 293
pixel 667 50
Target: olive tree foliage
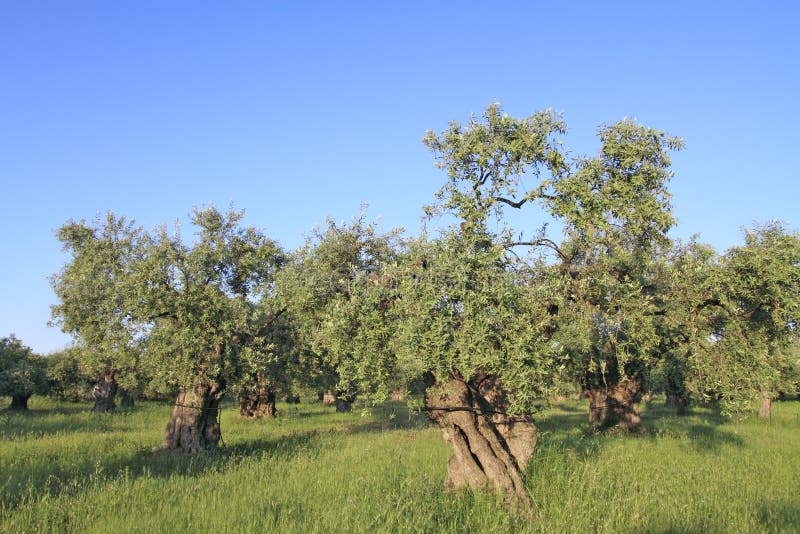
pixel 94 303
pixel 22 373
pixel 186 310
pixel 756 337
pixel 65 379
pixel 691 312
pixel 616 212
pixel 462 317
pixel 332 290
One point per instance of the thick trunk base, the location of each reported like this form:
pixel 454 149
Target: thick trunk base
pixel 679 401
pixel 104 393
pixel 257 403
pixel 126 401
pixel 19 402
pixel 616 406
pixel 194 423
pixel 765 410
pixel 489 450
pixel 343 406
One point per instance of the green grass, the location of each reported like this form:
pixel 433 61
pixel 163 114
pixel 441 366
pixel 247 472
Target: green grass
pixel 64 469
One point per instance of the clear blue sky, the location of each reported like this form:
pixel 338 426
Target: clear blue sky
pixel 298 110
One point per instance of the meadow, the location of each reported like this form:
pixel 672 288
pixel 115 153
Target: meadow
pixel 64 469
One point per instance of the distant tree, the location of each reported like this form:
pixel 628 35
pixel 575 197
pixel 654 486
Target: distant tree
pixel 95 294
pixel 191 308
pixel 66 381
pixel 616 211
pixel 269 368
pixel 755 339
pixel 690 306
pixel 326 291
pixel 22 373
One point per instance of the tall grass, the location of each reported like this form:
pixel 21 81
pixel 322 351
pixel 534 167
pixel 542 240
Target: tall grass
pixel 63 469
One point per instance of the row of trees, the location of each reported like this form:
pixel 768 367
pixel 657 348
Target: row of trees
pixel 488 318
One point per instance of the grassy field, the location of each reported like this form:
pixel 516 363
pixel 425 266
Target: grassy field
pixel 63 469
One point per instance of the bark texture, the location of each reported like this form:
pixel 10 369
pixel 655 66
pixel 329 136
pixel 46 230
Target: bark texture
pixel 104 393
pixel 19 402
pixel 257 402
pixel 126 401
pixel 677 395
pixel 489 450
pixel 343 405
pixel 616 405
pixel 399 395
pixel 765 410
pixel 678 401
pixel 194 423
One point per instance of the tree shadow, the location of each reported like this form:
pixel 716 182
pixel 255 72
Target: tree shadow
pixel 779 516
pixel 79 477
pixel 45 422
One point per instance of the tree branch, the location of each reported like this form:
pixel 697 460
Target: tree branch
pixel 512 203
pixel 539 242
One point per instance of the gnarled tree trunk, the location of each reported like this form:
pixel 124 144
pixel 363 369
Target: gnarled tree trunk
pixel 126 401
pixel 616 405
pixel 489 449
pixel 257 402
pixel 19 402
pixel 677 395
pixel 194 423
pixel 104 392
pixel 328 397
pixel 399 394
pixel 343 405
pixel 765 410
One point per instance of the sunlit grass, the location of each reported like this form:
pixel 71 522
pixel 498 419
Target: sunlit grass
pixel 64 469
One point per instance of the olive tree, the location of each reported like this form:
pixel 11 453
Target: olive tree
pixel 463 316
pixel 616 212
pixel 93 307
pixel 65 379
pixel 755 340
pixel 340 323
pixel 191 308
pixel 22 373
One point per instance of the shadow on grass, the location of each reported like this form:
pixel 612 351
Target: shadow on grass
pixel 35 480
pixel 43 422
pixel 779 516
pixel 80 477
pixel 565 428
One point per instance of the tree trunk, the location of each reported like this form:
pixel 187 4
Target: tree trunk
pixel 194 423
pixel 343 405
pixel 328 397
pixel 765 410
pixel 126 400
pixel 677 395
pixel 489 450
pixel 19 402
pixel 678 401
pixel 104 392
pixel 399 394
pixel 258 402
pixel 616 405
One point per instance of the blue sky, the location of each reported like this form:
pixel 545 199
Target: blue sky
pixel 299 110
